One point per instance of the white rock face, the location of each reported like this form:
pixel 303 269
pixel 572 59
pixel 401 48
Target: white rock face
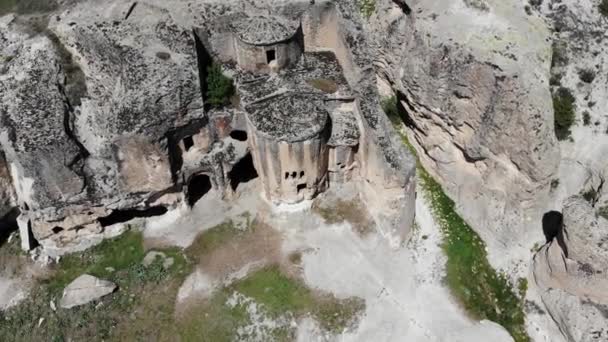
pixel 474 83
pixel 85 289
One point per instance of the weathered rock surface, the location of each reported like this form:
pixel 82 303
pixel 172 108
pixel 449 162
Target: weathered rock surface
pixel 474 84
pixel 572 272
pixel 85 289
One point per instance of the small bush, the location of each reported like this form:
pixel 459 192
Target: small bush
pixel 367 7
pixel 586 118
pixel 555 80
pixel 586 75
pixel 604 8
pixel 559 56
pixel 554 184
pixel 389 105
pixel 563 109
pixel 219 87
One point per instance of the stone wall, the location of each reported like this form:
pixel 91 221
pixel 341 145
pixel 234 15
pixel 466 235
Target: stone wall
pixel 253 58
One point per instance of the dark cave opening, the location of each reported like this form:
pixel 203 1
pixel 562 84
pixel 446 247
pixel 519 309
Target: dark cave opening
pixel 271 55
pixel 239 135
pixel 198 186
pixel 242 172
pixel 188 143
pixel 121 216
pixel 553 222
pixel 8 225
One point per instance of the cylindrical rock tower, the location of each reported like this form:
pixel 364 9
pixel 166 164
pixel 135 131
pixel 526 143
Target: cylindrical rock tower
pixel 288 141
pixel 267 43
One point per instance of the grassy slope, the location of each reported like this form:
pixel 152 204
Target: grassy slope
pixel 276 293
pixel 142 308
pixel 484 292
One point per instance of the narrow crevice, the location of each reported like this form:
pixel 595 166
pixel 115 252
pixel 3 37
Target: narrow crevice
pixel 204 60
pixel 130 10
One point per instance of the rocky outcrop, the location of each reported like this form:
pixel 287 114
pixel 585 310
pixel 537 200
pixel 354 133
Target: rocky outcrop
pixel 473 83
pixel 572 273
pixel 85 289
pixel 94 109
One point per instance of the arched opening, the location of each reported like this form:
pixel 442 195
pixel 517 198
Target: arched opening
pixel 198 187
pixel 121 216
pixel 239 135
pixel 553 222
pixel 242 172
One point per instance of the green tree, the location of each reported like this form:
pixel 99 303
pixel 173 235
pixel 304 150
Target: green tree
pixel 563 108
pixel 219 87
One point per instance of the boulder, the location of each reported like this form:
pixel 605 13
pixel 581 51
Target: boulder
pixel 85 289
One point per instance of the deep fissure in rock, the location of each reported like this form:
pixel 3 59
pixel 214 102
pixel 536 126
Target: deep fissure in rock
pixel 242 172
pixel 121 216
pixel 198 187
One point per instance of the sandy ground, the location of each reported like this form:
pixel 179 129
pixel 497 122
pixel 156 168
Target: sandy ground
pixel 403 290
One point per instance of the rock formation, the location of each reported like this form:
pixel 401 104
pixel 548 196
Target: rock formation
pixel 474 84
pixel 572 272
pixel 85 289
pixel 105 116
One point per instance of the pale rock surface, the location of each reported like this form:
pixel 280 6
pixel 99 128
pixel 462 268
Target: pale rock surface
pixel 572 272
pixel 474 82
pixel 85 289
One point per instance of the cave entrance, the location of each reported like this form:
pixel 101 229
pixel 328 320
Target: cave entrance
pixel 271 55
pixel 242 172
pixel 8 225
pixel 199 186
pixel 553 222
pixel 188 143
pixel 553 228
pixel 239 135
pixel 121 216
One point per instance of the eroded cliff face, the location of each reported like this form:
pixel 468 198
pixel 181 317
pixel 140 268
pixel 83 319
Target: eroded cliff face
pixel 473 81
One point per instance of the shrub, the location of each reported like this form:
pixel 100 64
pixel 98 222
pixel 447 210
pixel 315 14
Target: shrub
pixel 586 118
pixel 586 75
pixel 559 55
pixel 367 7
pixel 563 109
pixel 389 105
pixel 604 8
pixel 555 80
pixel 219 87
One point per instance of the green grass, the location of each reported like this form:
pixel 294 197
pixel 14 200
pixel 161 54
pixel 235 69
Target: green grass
pixel 483 292
pixel 278 295
pixel 366 7
pixel 141 309
pixel 119 254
